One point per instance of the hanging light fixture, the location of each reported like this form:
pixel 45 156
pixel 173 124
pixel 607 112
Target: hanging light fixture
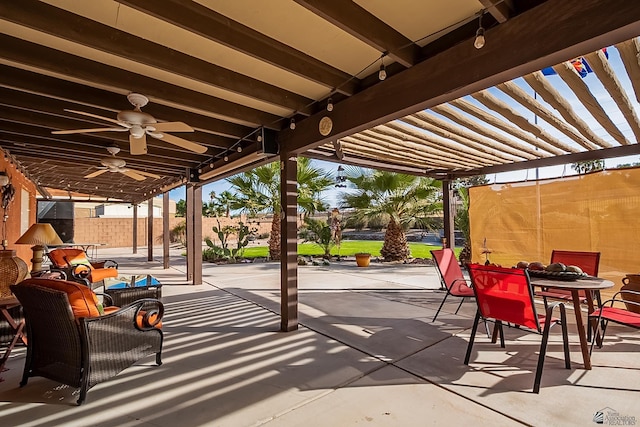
pixel 478 43
pixel 382 74
pixel 292 124
pixel 330 104
pixel 341 178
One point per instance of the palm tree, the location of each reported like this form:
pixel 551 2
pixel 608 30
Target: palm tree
pixel 258 191
pixel 399 200
pixel 221 203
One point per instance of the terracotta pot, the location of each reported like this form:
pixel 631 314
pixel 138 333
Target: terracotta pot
pixel 631 283
pixel 363 260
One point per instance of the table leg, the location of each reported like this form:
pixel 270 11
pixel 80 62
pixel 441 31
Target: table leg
pixel 17 329
pixel 584 345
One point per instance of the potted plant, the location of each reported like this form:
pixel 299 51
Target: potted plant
pixel 363 259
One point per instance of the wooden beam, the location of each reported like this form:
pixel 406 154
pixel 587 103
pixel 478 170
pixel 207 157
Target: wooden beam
pixel 88 97
pixel 289 244
pixel 211 25
pixel 50 123
pixel 95 73
pixel 539 110
pixel 630 54
pixel 609 153
pixel 45 18
pixel 357 21
pixel 570 76
pixel 501 10
pixel 601 67
pixel 540 84
pixel 557 26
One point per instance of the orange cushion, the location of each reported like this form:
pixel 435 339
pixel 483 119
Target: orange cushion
pixel 98 274
pixel 139 319
pixel 84 303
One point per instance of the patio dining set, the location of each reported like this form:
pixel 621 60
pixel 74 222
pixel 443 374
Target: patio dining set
pixel 507 296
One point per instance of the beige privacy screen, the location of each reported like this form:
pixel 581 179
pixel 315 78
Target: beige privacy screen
pixel 527 220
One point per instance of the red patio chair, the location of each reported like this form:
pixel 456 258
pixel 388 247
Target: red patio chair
pixel 451 277
pixel 587 261
pixel 615 313
pixel 506 295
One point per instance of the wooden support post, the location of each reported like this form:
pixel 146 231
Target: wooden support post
pixel 135 228
pixel 288 243
pixel 150 229
pixel 447 199
pixel 197 235
pixel 189 237
pixel 165 230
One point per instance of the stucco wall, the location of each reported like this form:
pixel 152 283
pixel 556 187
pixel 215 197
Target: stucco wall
pixel 13 212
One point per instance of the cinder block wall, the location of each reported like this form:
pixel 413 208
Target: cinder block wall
pixel 118 232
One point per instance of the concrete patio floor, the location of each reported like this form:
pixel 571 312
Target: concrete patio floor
pixel 366 353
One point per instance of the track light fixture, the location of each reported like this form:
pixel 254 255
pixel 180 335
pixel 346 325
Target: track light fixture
pixel 478 43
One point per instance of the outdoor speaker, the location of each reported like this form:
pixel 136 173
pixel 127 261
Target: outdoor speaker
pixel 268 143
pixel 194 175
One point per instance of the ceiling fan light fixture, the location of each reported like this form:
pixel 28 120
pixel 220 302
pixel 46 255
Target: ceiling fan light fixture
pixel 137 131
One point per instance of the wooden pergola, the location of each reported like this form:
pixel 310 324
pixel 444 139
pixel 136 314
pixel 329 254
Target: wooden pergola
pixel 254 79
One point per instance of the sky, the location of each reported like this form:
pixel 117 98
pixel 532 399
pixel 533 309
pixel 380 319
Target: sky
pixel 332 195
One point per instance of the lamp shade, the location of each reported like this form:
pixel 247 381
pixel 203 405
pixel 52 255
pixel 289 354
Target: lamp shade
pixel 40 234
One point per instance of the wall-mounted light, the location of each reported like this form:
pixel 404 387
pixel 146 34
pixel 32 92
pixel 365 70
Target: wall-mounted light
pixel 4 179
pixel 478 43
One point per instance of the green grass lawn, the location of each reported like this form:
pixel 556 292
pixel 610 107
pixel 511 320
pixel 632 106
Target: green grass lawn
pixel 347 248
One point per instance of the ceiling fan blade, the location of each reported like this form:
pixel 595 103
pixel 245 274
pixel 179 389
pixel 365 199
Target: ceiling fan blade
pixel 138 145
pixel 68 132
pixel 191 146
pixel 172 127
pixel 149 174
pixel 95 116
pixel 132 174
pixel 96 173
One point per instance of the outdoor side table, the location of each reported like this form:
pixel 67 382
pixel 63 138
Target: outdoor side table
pixel 138 287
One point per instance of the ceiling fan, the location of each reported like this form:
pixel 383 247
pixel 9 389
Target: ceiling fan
pixel 140 125
pixel 113 164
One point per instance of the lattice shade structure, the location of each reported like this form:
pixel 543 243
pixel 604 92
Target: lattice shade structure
pixel 12 271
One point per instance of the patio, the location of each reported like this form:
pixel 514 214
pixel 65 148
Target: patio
pixel 365 352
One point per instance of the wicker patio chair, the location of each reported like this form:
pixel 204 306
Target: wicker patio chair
pixel 76 265
pixel 83 351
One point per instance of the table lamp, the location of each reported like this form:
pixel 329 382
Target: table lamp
pixel 39 235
